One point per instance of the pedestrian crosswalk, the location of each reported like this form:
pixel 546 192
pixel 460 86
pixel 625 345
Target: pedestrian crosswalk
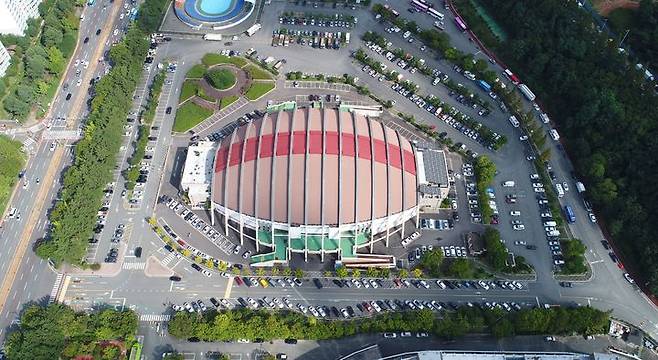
pixel 134 265
pixel 154 317
pixel 168 259
pixel 55 290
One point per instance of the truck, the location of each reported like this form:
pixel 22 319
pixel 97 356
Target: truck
pixel 544 118
pixel 252 30
pixel 212 37
pixel 554 134
pixel 526 92
pixel 484 85
pixel 514 121
pixel 347 38
pixel 580 187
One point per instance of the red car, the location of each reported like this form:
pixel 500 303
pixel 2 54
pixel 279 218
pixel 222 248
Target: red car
pixel 238 280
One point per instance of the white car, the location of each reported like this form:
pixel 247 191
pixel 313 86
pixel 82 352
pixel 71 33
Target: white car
pixel 537 185
pixel 519 242
pixel 546 215
pixel 539 190
pixel 523 137
pixel 592 218
pixel 629 278
pixel 519 227
pixel 515 213
pixel 534 176
pixel 565 186
pixel 206 273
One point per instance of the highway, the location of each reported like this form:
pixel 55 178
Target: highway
pixel 25 277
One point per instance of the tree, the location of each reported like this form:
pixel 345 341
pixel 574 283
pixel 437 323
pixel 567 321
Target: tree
pixel 356 273
pixel 372 272
pixel 51 37
pixel 404 273
pixel 275 271
pixel 299 273
pixel 431 262
pixel 287 271
pixel 342 272
pixel 56 60
pixel 460 268
pixel 260 272
pixel 418 273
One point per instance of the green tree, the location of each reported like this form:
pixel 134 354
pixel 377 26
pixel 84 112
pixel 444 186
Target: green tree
pixel 403 273
pixel 56 61
pixel 51 37
pixel 431 262
pixel 460 268
pixel 356 273
pixel 418 273
pixel 342 272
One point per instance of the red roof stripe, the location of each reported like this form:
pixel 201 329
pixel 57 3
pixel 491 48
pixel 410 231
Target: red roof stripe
pixel 364 147
pixel 236 154
pixel 394 156
pixel 251 150
pixel 299 142
pixel 315 142
pixel 266 144
pixel 315 147
pixel 409 162
pixel 282 143
pixel 332 145
pixel 380 151
pixel 348 144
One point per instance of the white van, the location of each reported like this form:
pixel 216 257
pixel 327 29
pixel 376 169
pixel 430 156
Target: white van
pixel 508 183
pixel 554 135
pixel 514 121
pixel 550 223
pixel 544 118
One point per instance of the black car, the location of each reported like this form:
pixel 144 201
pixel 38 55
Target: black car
pixel 168 111
pixel 338 283
pixel 350 311
pixel 613 257
pixel 138 252
pixel 318 283
pixel 291 341
pixel 605 244
pixel 98 32
pixel 214 302
pixel 335 311
pixel 175 278
pixel 68 96
pixel 196 267
pixel 566 284
pixel 153 138
pixel 86 40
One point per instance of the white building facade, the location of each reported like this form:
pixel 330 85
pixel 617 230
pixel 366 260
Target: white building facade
pixel 15 13
pixel 5 60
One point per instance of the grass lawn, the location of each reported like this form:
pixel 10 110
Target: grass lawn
pixel 226 101
pixel 188 89
pixel 220 79
pixel 196 72
pixel 215 59
pixel 258 89
pixel 257 73
pixel 189 115
pixel 12 162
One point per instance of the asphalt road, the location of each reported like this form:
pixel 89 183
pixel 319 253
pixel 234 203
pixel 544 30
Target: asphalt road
pixel 34 280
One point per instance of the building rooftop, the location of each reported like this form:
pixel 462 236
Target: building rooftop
pixel 494 355
pixel 433 167
pixel 198 170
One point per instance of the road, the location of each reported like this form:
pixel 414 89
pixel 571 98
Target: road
pixel 25 277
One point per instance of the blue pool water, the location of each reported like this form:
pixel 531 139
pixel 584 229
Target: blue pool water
pixel 214 6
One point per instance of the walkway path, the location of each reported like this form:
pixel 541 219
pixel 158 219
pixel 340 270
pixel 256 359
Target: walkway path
pixel 220 115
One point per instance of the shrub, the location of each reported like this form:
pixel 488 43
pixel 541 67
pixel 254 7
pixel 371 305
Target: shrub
pixel 220 78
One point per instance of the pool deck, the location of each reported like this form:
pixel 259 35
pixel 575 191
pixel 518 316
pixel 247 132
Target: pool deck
pixel 172 25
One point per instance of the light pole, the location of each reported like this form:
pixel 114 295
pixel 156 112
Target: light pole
pixel 624 38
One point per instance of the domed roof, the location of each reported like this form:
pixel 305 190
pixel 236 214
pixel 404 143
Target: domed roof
pixel 315 167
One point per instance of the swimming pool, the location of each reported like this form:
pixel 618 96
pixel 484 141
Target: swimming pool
pixel 214 7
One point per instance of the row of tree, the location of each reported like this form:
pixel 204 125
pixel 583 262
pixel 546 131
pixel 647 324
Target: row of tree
pixel 57 332
pixel 605 111
pixel 74 214
pixel 39 58
pixel 132 173
pixel 231 325
pixel 12 161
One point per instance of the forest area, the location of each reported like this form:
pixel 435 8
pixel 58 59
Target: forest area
pixel 602 106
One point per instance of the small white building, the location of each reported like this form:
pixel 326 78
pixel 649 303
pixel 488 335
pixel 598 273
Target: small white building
pixel 433 182
pixel 5 60
pixel 15 13
pixel 198 172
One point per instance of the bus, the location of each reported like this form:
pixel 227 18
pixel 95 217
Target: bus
pixel 435 14
pixel 526 92
pixel 568 211
pixel 484 85
pixel 461 25
pixel 419 5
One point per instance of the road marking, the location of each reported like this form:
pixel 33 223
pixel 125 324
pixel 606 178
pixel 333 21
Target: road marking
pixel 229 286
pixel 154 317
